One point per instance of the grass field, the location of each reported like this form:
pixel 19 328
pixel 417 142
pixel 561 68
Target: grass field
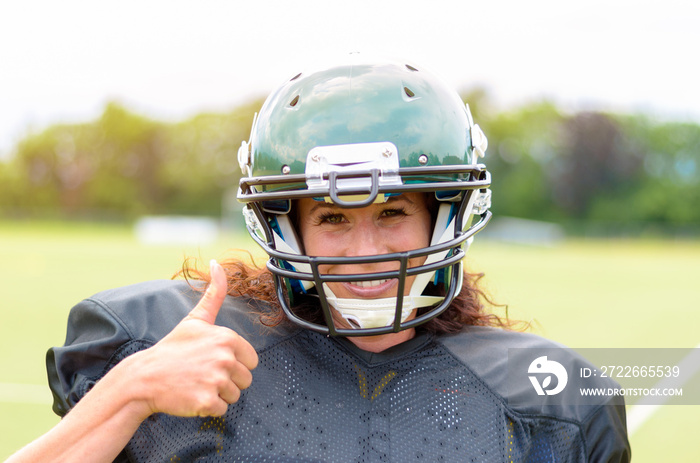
pixel 583 294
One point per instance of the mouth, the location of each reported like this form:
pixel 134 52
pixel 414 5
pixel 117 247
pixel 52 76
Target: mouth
pixel 368 289
pixel 368 284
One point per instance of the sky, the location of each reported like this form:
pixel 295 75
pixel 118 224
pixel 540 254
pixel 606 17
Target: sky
pixel 62 61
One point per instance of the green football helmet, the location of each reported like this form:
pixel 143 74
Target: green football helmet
pixel 355 133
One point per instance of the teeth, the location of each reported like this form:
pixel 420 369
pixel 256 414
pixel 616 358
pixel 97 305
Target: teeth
pixel 368 284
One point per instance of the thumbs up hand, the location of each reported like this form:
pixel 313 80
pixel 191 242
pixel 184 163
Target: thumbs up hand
pixel 199 368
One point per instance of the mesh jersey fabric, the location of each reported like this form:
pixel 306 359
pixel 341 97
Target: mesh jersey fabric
pixel 316 398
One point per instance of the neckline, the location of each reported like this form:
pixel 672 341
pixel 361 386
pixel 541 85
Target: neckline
pixel 392 353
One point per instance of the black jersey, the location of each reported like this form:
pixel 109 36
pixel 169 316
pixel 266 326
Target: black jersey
pixel 315 398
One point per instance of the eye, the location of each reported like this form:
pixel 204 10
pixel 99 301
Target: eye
pixel 330 218
pixel 393 212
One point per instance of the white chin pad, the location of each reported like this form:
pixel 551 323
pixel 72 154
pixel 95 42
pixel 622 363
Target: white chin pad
pixel 376 313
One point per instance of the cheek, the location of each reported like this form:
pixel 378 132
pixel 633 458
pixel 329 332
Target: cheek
pixel 418 237
pixel 421 232
pixel 409 240
pixel 317 242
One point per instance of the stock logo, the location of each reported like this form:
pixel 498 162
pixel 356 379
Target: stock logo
pixel 545 369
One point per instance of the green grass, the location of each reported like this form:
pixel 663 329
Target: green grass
pixel 608 294
pixel 46 269
pixel 583 294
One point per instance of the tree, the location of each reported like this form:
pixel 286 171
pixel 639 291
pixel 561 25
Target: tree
pixel 597 160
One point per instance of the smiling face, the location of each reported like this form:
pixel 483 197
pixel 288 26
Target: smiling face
pixel 402 223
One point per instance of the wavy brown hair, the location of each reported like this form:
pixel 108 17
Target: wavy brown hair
pixel 257 283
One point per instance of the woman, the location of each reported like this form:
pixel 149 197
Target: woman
pixel 362 340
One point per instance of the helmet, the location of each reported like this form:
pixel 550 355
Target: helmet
pixel 355 133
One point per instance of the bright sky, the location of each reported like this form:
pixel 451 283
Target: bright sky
pixel 63 60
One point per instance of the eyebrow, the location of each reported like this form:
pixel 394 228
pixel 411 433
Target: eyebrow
pixel 391 199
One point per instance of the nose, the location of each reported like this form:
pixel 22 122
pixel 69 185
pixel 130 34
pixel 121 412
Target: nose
pixel 367 239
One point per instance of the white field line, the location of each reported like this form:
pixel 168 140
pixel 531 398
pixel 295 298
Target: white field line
pixel 16 393
pixel 642 411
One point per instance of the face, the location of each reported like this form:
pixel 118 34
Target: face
pixel 402 223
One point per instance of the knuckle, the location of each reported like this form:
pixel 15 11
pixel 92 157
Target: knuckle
pixel 244 379
pixel 251 358
pixel 224 360
pixel 234 395
pixel 207 404
pixel 220 382
pixel 225 336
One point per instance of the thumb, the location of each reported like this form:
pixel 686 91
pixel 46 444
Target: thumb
pixel 208 307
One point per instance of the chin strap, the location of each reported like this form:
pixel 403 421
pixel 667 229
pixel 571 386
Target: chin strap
pixel 290 245
pixel 376 313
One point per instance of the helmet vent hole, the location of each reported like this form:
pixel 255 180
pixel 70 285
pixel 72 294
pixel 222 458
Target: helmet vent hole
pixel 294 101
pixel 295 77
pixel 411 68
pixel 409 93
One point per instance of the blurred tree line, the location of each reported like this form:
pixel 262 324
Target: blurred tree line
pixel 625 171
pixel 123 165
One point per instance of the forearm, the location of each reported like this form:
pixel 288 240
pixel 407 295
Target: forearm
pixel 198 369
pixel 97 429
